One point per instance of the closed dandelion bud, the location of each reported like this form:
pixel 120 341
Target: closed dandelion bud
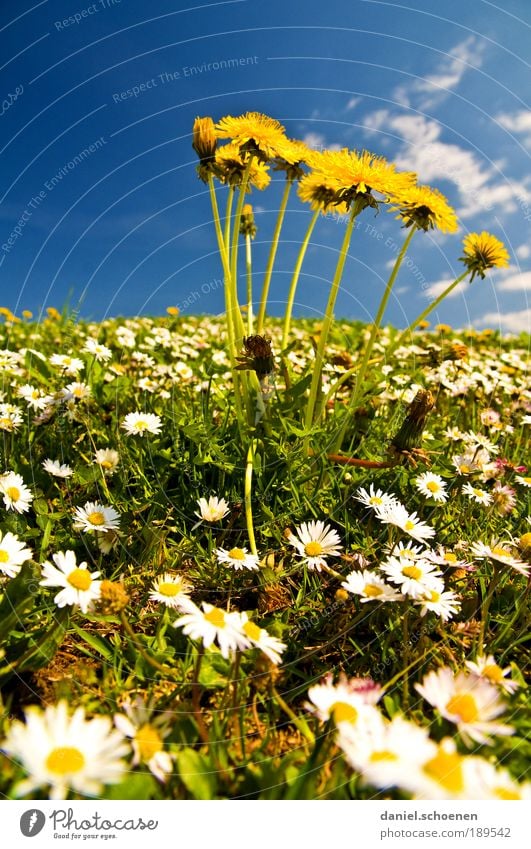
pixel 410 434
pixel 204 143
pixel 247 224
pixel 524 546
pixel 113 598
pixel 341 595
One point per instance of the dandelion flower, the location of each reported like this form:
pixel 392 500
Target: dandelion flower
pixel 482 251
pixel 427 208
pixel 16 494
pixel 96 517
pixel 13 553
pixel 316 541
pixel 79 586
pixel 253 132
pixel 63 752
pixel 137 424
pixel 238 558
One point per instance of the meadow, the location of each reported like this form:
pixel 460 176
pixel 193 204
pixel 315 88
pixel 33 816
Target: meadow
pixel 255 558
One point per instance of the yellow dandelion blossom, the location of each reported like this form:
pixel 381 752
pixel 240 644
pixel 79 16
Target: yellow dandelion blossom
pixel 357 175
pixel 427 208
pixel 483 251
pixel 320 193
pixel 259 134
pixel 293 154
pixel 231 165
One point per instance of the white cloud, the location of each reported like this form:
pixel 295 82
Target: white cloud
pixel 437 288
pixel 318 141
pixel 514 322
pixel 520 282
pixel 523 251
pixel 353 102
pixel 517 122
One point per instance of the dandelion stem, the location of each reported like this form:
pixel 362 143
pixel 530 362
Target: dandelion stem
pixel 248 496
pixel 434 304
pixel 295 279
pixel 328 319
pixel 485 607
pixel 249 270
pixel 238 320
pixel 360 377
pixel 272 255
pixel 299 722
pixel 228 219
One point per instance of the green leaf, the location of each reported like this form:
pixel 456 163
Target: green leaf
pixel 18 599
pixel 136 786
pixel 97 643
pixel 197 774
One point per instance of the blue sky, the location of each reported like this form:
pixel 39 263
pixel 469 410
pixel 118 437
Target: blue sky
pixel 126 229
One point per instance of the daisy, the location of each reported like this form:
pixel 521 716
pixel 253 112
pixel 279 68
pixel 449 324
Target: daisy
pixel 407 522
pixel 13 554
pixel 107 459
pixel 432 486
pixel 500 554
pixel 443 774
pixel 341 703
pixel 486 667
pixel 96 517
pixel 63 752
pixel 480 496
pixel 406 549
pixel 146 732
pixel 523 481
pixel 453 434
pixel 69 365
pixel 259 638
pixel 495 783
pixel 370 586
pixel 100 352
pixel 212 510
pixel 213 624
pixel 33 397
pixel 16 494
pixel 315 541
pixel 443 557
pixel 10 418
pixel 374 499
pixel 383 752
pixel 468 701
pixel 479 440
pixel 415 578
pixel 137 424
pixel 57 469
pixel 171 590
pixel 76 391
pixel 107 540
pixel 503 498
pixel 444 603
pixel 79 586
pixel 238 558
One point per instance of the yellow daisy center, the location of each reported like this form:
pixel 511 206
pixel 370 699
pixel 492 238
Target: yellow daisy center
pixel 4 556
pixel 505 793
pixel 434 596
pixel 372 590
pixel 13 493
pixel 450 557
pixel 64 760
pixel 79 579
pixel 140 424
pixel 106 464
pixel 412 572
pixel 6 423
pixel 527 480
pixel 479 493
pixel 383 755
pixel 409 525
pixel 313 549
pixel 148 742
pixel 375 499
pixel 78 392
pixel 501 552
pixel 446 769
pixel 464 469
pixel 343 712
pixel 237 554
pixel 464 706
pixel 169 588
pixel 215 617
pixel 96 518
pixel 407 552
pixel 252 631
pixel 433 486
pixel 493 672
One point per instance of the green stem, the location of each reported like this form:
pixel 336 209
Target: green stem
pixel 272 255
pixel 238 320
pixel 299 722
pixel 248 496
pixel 228 219
pixel 328 319
pixel 434 304
pixel 295 279
pixel 372 338
pixel 485 607
pixel 249 269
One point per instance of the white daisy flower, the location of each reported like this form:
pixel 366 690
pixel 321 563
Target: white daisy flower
pixel 477 439
pixel 79 586
pixel 374 499
pixel 432 486
pixel 34 397
pixel 523 480
pixel 468 701
pixel 408 522
pixel 13 553
pixel 414 577
pixel 57 469
pixel 444 557
pixel 316 541
pixel 96 517
pixel 76 391
pixel 259 638
pixel 342 703
pixel 171 590
pixel 444 603
pixel 63 752
pixel 100 352
pixel 147 732
pixel 107 459
pixel 495 783
pixel 444 774
pixel 500 554
pixel 213 624
pixel 470 462
pixel 480 496
pixel 16 494
pixel 137 424
pixel 486 667
pixel 10 418
pixel 370 586
pixel 454 434
pixel 107 540
pixel 212 510
pixel 68 364
pixel 238 558
pixel 408 550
